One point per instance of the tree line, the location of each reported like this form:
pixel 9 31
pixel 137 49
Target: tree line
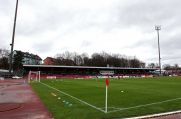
pixel 4 55
pixel 67 58
pixel 97 59
pixel 17 60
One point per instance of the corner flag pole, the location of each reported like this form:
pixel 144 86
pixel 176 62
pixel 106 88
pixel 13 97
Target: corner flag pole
pixel 107 83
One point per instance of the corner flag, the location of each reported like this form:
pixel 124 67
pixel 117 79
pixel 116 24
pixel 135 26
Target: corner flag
pixel 107 84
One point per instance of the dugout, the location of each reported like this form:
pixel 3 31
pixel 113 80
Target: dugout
pixel 87 71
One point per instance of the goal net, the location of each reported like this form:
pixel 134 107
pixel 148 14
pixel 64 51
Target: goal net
pixel 34 76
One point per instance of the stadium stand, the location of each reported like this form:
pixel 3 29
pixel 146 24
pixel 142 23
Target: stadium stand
pixel 87 72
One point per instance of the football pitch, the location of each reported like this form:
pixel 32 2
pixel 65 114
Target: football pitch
pixel 85 98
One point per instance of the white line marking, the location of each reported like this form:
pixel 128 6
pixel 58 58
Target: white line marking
pixel 74 98
pixel 115 108
pixel 121 109
pixel 156 115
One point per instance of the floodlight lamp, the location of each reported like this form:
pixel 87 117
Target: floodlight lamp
pixel 157 27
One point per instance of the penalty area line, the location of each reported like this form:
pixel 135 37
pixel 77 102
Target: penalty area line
pixel 74 98
pixel 122 109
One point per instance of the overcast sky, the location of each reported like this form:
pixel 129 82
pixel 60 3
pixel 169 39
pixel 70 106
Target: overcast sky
pixel 48 27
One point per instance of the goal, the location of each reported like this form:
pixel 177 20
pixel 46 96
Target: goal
pixel 34 76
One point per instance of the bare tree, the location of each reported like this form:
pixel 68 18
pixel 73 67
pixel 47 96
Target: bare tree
pixel 4 55
pixel 98 59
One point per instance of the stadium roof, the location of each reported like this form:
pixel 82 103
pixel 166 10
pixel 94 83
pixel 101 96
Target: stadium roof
pixel 86 67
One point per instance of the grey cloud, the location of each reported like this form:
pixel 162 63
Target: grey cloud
pixel 42 47
pixel 85 44
pixel 144 11
pixel 145 14
pixel 172 45
pixel 44 21
pixel 169 46
pixel 48 17
pixel 6 6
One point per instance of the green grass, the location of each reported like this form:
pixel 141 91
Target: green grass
pixel 137 91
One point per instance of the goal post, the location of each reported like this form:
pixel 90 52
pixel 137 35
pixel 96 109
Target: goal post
pixel 34 75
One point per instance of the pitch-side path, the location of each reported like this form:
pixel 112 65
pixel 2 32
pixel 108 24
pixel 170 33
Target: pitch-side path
pixel 19 101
